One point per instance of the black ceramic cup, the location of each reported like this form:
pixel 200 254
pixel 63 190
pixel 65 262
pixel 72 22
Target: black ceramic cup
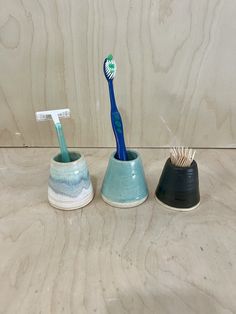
pixel 178 187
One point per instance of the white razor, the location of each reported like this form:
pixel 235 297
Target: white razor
pixel 55 115
pixel 52 115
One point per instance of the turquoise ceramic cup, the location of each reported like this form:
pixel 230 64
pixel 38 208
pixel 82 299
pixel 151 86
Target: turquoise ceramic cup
pixel 124 184
pixel 69 185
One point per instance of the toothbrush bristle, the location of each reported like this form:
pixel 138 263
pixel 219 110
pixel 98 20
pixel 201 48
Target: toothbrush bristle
pixel 110 57
pixel 110 68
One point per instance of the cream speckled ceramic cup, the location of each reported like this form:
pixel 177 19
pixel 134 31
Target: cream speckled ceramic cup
pixel 69 185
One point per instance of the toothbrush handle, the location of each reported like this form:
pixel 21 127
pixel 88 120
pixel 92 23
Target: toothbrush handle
pixel 61 139
pixel 117 126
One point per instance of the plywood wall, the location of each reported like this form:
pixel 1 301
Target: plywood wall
pixel 176 75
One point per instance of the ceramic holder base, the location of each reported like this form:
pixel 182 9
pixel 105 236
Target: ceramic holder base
pixel 178 187
pixel 69 185
pixel 124 184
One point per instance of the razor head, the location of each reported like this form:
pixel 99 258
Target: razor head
pixel 48 115
pixel 110 68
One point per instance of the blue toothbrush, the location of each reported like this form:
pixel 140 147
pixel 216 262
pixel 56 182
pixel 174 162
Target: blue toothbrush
pixel 109 68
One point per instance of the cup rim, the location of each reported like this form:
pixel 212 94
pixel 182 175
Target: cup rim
pixel 126 161
pixel 68 164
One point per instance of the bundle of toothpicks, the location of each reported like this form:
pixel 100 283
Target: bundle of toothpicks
pixel 182 156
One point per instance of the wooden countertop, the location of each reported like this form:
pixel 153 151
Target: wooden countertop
pixel 102 259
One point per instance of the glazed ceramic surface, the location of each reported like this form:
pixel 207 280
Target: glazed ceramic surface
pixel 178 187
pixel 124 184
pixel 69 185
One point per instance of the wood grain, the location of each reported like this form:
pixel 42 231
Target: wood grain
pixel 175 79
pixel 142 260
